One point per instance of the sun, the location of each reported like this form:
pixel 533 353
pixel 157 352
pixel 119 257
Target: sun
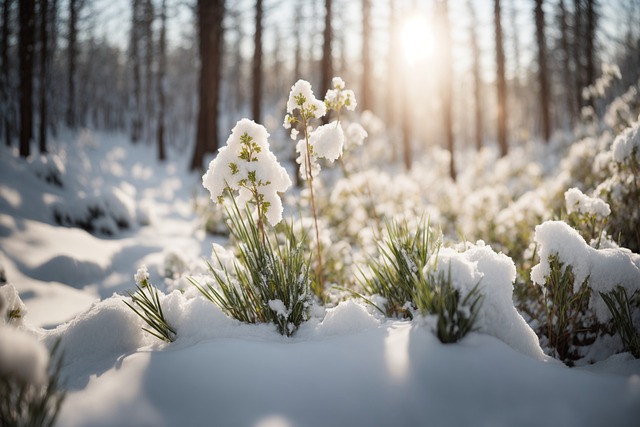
pixel 416 39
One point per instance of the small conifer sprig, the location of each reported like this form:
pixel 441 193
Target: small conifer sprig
pixel 146 304
pixel 269 281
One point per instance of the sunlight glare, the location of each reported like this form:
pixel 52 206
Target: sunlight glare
pixel 417 39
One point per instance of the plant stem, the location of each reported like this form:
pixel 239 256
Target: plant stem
pixel 319 271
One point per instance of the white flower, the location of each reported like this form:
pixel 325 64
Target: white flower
pixel 294 134
pixel 337 83
pixel 355 136
pixel 301 97
pixel 141 275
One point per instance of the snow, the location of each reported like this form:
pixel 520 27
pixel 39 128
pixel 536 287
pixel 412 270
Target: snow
pixel 627 145
pixel 581 203
pixel 327 141
pixel 301 98
pixel 347 365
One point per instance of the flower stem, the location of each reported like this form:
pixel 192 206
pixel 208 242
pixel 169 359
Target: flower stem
pixel 319 271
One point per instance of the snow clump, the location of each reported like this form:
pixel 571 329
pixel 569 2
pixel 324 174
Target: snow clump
pixel 627 144
pixel 23 358
pixel 580 203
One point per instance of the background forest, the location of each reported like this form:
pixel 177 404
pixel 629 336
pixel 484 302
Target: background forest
pixel 455 73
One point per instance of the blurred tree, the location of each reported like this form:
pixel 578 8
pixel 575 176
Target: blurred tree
pixel 26 42
pixel 161 80
pixel 566 63
pixel 72 56
pixel 392 77
pixel 147 29
pixel 210 16
pixel 256 75
pixel 477 78
pixel 446 71
pixel 6 104
pixel 326 68
pixel 48 21
pixel 500 81
pixel 366 95
pixel 543 77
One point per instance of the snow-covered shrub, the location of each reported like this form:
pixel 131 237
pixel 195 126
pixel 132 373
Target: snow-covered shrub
pixel 49 168
pixel 621 190
pixel 146 304
pixel 30 389
pixel 267 281
pixel 623 310
pixel 587 214
pixel 623 110
pixel 573 275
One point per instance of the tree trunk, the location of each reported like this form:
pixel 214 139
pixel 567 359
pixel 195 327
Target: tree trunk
pixel 256 102
pixel 392 80
pixel 365 96
pixel 500 82
pixel 578 35
pixel 72 54
pixel 136 121
pixel 477 78
pixel 210 37
pixel 566 63
pixel 44 83
pixel 26 49
pixel 590 39
pixel 543 77
pixel 5 90
pixel 297 73
pixel 327 60
pixel 446 71
pixel 148 66
pixel 162 71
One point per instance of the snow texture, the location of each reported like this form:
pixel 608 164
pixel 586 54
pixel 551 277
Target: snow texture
pixel 578 202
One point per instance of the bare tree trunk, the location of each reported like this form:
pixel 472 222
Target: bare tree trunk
pixel 298 50
pixel 566 63
pixel 210 37
pixel 446 71
pixel 160 81
pixel 327 60
pixel 578 35
pixel 590 38
pixel 392 80
pixel 72 54
pixel 543 77
pixel 500 82
pixel 477 78
pixel 257 65
pixel 5 90
pixel 44 83
pixel 26 49
pixel 136 121
pixel 366 96
pixel 148 19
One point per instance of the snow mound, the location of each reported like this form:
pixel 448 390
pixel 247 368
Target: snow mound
pixel 346 318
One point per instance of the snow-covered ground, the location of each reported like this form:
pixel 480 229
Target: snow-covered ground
pixel 345 366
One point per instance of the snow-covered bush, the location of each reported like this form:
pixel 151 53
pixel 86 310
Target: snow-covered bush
pixel 30 389
pixel 573 275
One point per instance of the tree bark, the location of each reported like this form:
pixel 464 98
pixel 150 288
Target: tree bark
pixel 543 77
pixel 256 102
pixel 569 94
pixel 500 82
pixel 210 37
pixel 26 48
pixel 136 121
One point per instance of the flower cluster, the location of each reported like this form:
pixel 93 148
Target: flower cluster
pixel 246 165
pixel 339 97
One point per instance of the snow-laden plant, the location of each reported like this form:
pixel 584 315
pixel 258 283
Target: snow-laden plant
pixel 324 142
pixel 31 392
pixel 455 314
pixel 267 282
pixel 622 309
pixel 247 166
pixel 573 276
pixel 146 304
pixel 409 277
pixel 397 272
pixel 589 215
